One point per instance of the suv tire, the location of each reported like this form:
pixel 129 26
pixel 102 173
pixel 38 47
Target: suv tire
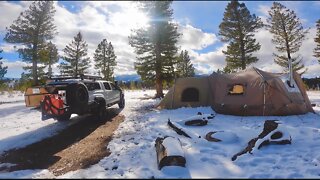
pixel 101 112
pixel 121 103
pixel 64 117
pixel 77 97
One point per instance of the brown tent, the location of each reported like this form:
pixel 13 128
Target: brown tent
pixel 252 92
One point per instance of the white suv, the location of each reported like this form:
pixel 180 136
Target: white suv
pixel 80 96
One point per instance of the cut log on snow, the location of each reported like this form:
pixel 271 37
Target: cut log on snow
pixel 196 122
pixel 210 138
pixel 169 152
pixel 178 130
pixel 269 135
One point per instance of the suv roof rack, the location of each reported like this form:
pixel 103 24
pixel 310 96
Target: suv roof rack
pixel 78 76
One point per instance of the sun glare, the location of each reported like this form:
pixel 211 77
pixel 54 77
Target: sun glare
pixel 137 18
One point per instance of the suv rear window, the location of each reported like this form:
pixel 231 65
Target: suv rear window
pixel 93 86
pixel 113 86
pixel 107 86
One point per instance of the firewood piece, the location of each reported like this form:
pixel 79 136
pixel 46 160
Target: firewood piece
pixel 269 126
pixel 196 122
pixel 169 152
pixel 210 138
pixel 178 130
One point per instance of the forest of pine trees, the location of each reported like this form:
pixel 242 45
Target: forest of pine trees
pixel 159 59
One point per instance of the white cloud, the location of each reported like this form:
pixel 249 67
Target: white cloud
pixel 195 39
pixel 206 63
pixel 10 12
pixel 10 48
pixel 263 9
pixel 14 68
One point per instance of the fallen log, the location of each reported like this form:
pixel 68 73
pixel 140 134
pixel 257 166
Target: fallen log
pixel 196 122
pixel 178 130
pixel 210 138
pixel 266 137
pixel 169 152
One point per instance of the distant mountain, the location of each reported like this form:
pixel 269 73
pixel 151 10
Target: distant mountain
pixel 133 77
pixel 9 78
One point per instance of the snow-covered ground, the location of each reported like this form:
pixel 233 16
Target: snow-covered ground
pixel 9 97
pixel 133 145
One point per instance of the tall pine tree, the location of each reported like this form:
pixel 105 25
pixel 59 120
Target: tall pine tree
pixel 184 66
pixel 288 34
pixel 75 58
pixel 33 28
pixel 49 56
pixel 105 59
pixel 237 28
pixel 317 40
pixel 155 45
pixel 3 70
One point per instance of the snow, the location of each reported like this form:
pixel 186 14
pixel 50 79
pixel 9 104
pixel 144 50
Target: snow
pixel 133 153
pixel 285 78
pixel 9 97
pixel 173 146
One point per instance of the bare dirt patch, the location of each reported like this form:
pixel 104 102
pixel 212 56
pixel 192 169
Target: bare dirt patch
pixel 78 146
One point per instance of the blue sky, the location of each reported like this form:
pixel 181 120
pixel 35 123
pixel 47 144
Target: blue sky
pixel 198 22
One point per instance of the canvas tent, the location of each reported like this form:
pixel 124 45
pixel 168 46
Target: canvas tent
pixel 252 92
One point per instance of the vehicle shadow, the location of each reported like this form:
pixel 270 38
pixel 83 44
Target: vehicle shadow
pixel 7 111
pixel 42 154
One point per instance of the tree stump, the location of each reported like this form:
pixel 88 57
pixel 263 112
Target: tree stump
pixel 169 152
pixel 178 130
pixel 196 122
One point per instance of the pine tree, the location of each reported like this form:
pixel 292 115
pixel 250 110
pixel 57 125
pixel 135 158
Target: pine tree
pixel 155 45
pixel 49 56
pixel 317 40
pixel 33 28
pixel 75 58
pixel 184 66
pixel 237 28
pixel 105 59
pixel 3 70
pixel 288 34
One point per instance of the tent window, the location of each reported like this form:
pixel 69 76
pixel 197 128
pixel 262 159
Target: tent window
pixel 236 89
pixel 190 95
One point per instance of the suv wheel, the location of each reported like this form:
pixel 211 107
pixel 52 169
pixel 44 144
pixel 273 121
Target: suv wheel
pixel 77 97
pixel 101 111
pixel 121 103
pixel 102 114
pixel 64 117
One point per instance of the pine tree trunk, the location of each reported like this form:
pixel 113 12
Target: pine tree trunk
pixel 104 62
pixel 34 65
pixel 243 56
pixel 50 62
pixel 34 72
pixel 286 39
pixel 159 87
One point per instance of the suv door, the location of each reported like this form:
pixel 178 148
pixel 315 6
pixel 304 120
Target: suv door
pixel 115 93
pixel 93 89
pixel 107 92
